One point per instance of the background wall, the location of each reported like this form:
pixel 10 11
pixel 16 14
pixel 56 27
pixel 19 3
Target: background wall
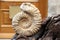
pixel 53 7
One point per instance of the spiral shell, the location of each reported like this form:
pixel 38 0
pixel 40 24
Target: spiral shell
pixel 28 21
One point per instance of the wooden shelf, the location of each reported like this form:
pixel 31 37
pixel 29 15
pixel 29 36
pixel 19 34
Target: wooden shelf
pixel 6 25
pixel 6 35
pixel 5 10
pixel 7 30
pixel 5 39
pixel 22 0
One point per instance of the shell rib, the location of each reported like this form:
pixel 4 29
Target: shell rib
pixel 28 21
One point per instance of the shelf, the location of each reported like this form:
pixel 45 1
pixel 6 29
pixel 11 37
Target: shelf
pixel 6 35
pixel 7 30
pixel 6 25
pixel 5 10
pixel 22 0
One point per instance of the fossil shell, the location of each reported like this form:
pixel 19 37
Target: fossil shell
pixel 28 21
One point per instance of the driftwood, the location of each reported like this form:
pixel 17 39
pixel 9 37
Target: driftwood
pixel 52 29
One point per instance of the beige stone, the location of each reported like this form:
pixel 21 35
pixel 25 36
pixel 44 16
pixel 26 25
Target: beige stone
pixel 28 21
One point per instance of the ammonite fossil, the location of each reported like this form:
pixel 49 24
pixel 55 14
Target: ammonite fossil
pixel 28 21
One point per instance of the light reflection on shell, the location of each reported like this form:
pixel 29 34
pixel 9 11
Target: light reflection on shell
pixel 28 21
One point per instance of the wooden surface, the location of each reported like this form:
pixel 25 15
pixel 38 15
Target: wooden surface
pixel 22 0
pixel 6 35
pixel 4 13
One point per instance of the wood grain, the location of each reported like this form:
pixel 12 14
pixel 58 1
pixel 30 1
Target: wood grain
pixel 22 0
pixel 6 35
pixel 7 30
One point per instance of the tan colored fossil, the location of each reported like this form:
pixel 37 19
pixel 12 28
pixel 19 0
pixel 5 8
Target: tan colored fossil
pixel 28 21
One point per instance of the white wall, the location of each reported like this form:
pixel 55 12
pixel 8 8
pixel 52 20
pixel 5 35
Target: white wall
pixel 53 7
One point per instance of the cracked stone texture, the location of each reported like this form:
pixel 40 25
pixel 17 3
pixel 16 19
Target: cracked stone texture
pixel 53 7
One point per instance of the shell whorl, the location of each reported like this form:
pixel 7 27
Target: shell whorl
pixel 28 21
